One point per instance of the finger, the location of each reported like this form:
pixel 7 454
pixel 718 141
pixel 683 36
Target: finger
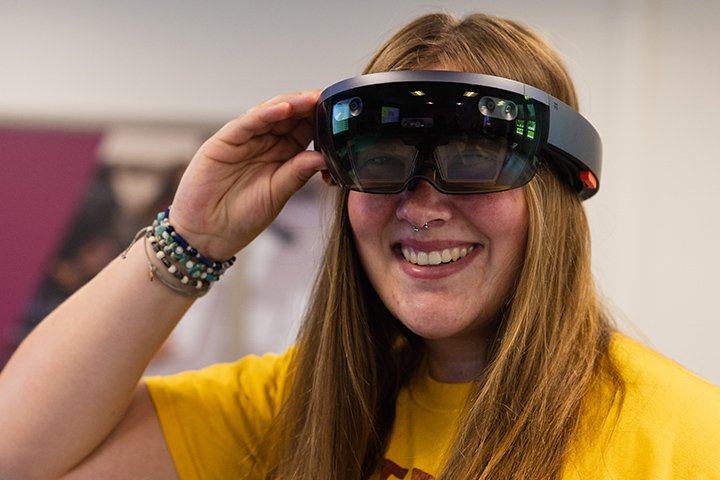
pixel 300 126
pixel 290 97
pixel 301 106
pixel 299 130
pixel 301 103
pixel 294 173
pixel 255 122
pixel 265 118
pixel 285 140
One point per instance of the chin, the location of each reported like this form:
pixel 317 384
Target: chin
pixel 438 322
pixel 434 327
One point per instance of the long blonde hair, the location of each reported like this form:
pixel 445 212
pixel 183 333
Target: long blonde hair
pixel 551 344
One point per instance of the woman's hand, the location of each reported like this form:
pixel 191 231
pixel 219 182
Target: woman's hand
pixel 240 178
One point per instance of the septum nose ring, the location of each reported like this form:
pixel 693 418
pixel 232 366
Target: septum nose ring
pixel 415 228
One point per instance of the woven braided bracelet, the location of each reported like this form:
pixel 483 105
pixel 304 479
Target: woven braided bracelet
pixel 194 272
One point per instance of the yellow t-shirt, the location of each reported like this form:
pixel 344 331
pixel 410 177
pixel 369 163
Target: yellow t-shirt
pixel 668 428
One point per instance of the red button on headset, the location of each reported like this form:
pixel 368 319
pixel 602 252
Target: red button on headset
pixel 588 179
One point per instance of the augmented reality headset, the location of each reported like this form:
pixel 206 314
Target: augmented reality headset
pixel 464 133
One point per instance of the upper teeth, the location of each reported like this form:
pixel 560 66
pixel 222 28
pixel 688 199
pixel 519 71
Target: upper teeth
pixel 435 257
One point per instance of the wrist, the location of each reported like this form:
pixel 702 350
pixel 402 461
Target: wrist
pixel 175 263
pixel 209 246
pixel 204 236
pixel 168 242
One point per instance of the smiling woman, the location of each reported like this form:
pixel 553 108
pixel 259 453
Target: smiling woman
pixel 454 330
pixel 452 305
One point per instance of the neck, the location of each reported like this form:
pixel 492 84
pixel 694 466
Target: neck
pixel 456 360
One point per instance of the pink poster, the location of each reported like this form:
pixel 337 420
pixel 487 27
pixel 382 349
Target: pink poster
pixel 44 176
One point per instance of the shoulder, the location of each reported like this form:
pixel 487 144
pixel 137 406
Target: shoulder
pixel 668 423
pixel 260 378
pixel 215 419
pixel 656 382
pixel 249 392
pixel 665 425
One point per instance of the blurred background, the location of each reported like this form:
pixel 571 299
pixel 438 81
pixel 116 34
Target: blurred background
pixel 103 103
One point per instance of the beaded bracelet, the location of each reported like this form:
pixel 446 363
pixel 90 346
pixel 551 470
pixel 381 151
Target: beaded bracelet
pixel 192 270
pixel 182 260
pixel 155 273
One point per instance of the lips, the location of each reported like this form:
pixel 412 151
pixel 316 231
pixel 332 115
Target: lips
pixel 435 257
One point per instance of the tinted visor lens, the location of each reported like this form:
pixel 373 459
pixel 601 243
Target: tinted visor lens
pixel 462 138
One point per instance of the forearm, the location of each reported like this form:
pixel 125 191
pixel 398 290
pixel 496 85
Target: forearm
pixel 70 382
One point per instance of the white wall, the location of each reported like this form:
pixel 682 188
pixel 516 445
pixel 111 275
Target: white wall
pixel 647 72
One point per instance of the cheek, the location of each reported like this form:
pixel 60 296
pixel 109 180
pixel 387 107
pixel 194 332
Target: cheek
pixel 504 217
pixel 514 225
pixel 513 218
pixel 502 214
pixel 368 213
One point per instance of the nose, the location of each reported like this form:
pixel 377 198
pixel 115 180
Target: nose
pixel 421 203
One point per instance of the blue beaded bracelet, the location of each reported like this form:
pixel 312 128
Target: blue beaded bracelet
pixel 182 249
pixel 181 259
pixel 194 272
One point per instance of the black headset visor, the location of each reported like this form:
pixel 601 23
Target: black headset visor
pixel 464 133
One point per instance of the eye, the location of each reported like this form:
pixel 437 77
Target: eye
pixel 381 166
pixel 473 165
pixel 472 159
pixel 381 159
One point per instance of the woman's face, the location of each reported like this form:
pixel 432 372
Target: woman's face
pixel 448 280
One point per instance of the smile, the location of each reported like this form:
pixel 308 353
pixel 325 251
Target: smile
pixel 435 257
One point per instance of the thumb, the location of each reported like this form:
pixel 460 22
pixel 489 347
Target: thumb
pixel 294 173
